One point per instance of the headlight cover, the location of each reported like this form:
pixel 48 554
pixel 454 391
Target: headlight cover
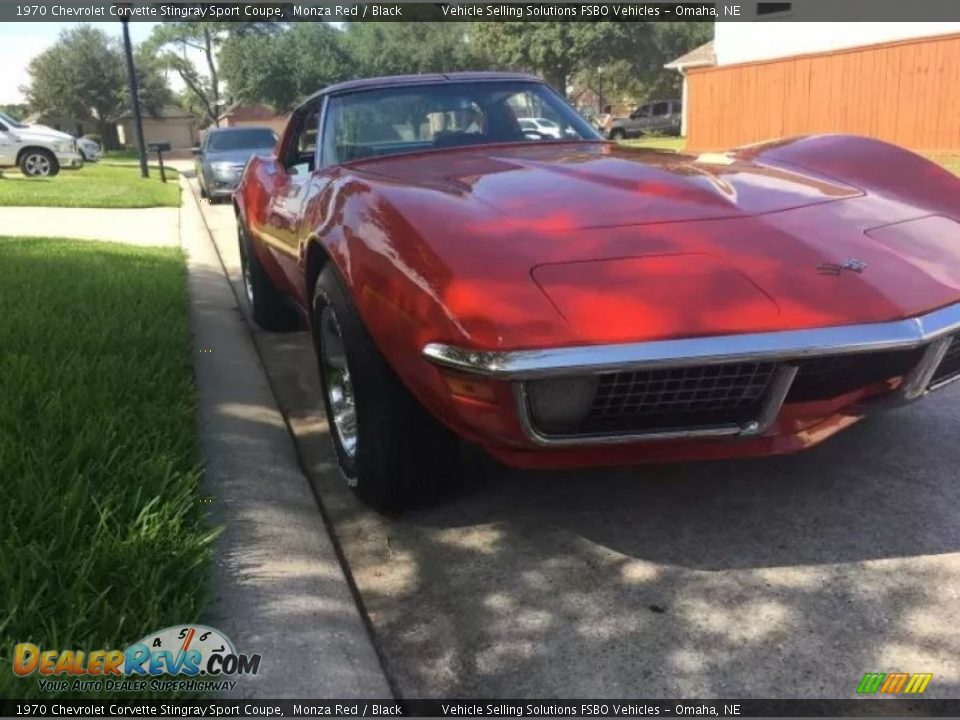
pixel 563 403
pixel 64 146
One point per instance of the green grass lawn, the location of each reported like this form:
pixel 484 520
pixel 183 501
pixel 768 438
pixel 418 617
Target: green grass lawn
pixel 100 185
pixel 103 537
pixel 124 155
pixel 657 143
pixel 951 161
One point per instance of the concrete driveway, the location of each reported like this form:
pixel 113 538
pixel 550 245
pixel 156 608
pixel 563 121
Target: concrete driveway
pixel 779 578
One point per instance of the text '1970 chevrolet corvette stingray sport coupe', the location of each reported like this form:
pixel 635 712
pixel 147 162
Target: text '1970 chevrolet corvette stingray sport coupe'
pixel 563 301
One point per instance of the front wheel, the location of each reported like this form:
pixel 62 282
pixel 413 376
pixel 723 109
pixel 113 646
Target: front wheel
pixel 617 134
pixel 268 306
pixel 390 451
pixel 39 163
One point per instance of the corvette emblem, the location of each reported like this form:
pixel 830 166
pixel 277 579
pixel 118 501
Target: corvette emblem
pixel 853 265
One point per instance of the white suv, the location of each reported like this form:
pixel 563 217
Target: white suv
pixel 37 150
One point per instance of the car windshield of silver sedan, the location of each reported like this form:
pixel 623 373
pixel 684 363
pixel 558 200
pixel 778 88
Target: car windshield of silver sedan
pixel 253 139
pixel 414 118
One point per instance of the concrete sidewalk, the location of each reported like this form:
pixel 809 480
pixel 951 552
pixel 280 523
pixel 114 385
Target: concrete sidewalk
pixel 280 589
pixel 142 226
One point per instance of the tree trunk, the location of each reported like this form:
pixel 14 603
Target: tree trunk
pixel 108 134
pixel 557 79
pixel 214 80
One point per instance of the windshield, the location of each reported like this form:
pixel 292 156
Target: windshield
pixel 253 139
pixel 422 117
pixel 11 121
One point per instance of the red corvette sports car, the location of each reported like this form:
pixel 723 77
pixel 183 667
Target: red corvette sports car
pixel 563 301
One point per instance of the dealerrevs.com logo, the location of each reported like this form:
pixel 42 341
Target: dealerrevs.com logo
pixel 182 657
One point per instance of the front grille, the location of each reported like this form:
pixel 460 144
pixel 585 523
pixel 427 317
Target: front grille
pixel 734 393
pixel 950 365
pixel 679 397
pixel 822 378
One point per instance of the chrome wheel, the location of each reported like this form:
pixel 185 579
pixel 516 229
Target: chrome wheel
pixel 37 165
pixel 343 406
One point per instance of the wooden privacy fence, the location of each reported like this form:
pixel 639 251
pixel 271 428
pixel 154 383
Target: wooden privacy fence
pixel 906 92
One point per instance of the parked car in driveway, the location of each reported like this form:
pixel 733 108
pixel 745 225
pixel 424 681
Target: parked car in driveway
pixel 662 117
pixel 574 302
pixel 37 150
pixel 543 126
pixel 89 149
pixel 224 153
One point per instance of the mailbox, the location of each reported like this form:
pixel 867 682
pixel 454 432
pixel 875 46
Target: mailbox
pixel 160 148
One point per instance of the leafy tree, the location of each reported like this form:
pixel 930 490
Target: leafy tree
pixel 206 37
pixel 84 74
pixel 631 54
pixel 394 48
pixel 555 50
pixel 17 110
pixel 171 40
pixel 280 69
pixel 641 75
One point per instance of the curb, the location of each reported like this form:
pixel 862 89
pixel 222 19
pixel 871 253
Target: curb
pixel 280 590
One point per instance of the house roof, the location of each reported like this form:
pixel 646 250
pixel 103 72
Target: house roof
pixel 702 56
pixel 169 112
pixel 247 113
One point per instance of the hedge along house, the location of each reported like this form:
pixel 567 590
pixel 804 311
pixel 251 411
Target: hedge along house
pixel 779 77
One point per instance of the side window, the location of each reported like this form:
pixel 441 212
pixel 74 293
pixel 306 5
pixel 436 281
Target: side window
pixel 661 108
pixel 642 112
pixel 3 128
pixel 300 156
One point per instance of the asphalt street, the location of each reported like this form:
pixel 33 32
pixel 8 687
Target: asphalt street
pixel 777 578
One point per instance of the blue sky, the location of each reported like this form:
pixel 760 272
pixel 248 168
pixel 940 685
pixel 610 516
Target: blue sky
pixel 19 42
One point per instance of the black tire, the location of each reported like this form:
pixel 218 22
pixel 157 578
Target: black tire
pixel 203 190
pixel 403 458
pixel 38 162
pixel 268 306
pixel 618 134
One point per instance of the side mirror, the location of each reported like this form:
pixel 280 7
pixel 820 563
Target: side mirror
pixel 196 151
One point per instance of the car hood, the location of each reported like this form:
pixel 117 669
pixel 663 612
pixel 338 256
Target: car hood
pixel 42 132
pixel 589 185
pixel 578 243
pixel 237 157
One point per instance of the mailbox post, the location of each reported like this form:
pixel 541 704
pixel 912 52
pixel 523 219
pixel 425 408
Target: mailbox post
pixel 160 148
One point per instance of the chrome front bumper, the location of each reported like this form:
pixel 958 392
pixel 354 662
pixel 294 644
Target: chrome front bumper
pixel 934 331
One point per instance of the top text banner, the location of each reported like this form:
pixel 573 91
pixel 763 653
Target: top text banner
pixel 512 10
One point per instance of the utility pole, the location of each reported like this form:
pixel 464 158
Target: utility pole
pixel 599 91
pixel 135 99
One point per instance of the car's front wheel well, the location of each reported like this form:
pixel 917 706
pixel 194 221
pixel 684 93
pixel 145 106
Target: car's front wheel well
pixel 33 148
pixel 317 259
